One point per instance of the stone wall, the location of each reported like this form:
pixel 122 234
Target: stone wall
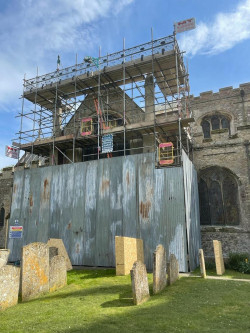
pixel 6 182
pixel 9 286
pixel 229 150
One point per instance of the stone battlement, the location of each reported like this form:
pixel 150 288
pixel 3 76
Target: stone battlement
pixel 223 92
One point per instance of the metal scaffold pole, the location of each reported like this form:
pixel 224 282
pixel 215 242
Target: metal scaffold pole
pixel 99 98
pixel 155 141
pixel 124 100
pixel 74 137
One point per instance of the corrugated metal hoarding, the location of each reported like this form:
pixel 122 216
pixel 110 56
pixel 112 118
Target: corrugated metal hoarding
pixel 87 204
pixel 192 211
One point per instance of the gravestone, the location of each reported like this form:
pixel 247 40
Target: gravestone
pixel 9 286
pixel 172 270
pixel 35 270
pixel 127 251
pixel 139 280
pixel 4 255
pixel 202 264
pixel 57 273
pixel 53 251
pixel 58 243
pixel 219 262
pixel 159 269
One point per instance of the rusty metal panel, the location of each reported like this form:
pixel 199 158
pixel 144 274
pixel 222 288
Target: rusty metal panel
pixel 87 204
pixel 192 211
pixel 176 242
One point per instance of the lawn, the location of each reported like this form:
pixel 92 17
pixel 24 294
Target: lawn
pixel 99 301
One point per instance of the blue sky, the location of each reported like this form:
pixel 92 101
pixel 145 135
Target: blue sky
pixel 34 32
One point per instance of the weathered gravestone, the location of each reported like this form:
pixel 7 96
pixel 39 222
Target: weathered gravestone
pixel 139 280
pixel 4 255
pixel 58 243
pixel 172 270
pixel 159 269
pixel 35 270
pixel 202 264
pixel 9 286
pixel 127 251
pixel 57 273
pixel 219 262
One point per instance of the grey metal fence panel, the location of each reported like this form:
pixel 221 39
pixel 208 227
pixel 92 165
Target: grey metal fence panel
pixel 87 204
pixel 192 211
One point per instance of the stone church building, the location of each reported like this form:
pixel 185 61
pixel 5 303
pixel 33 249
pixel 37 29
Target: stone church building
pixel 220 134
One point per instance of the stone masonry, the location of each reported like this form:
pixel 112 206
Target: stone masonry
pixel 58 243
pixel 4 255
pixel 127 251
pixel 219 262
pixel 159 269
pixel 172 270
pixel 9 286
pixel 228 149
pixel 6 183
pixel 139 282
pixel 57 273
pixel 202 264
pixel 34 270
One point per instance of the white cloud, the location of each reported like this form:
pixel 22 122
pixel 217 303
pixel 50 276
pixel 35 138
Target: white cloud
pixel 33 29
pixel 223 33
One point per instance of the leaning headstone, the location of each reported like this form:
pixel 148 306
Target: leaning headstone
pixel 139 280
pixel 219 262
pixel 9 286
pixel 172 270
pixel 35 270
pixel 4 255
pixel 57 273
pixel 127 251
pixel 53 251
pixel 159 269
pixel 202 264
pixel 56 242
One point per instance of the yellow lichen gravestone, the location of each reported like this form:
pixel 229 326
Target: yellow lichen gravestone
pixel 219 262
pixel 127 251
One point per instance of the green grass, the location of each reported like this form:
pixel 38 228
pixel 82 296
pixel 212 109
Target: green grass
pixel 99 301
pixel 229 273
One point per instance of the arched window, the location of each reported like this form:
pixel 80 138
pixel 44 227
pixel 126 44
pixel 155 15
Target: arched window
pixel 218 192
pixel 213 123
pixel 215 120
pixel 2 216
pixel 225 123
pixel 206 128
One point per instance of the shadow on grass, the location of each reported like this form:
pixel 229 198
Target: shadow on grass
pixel 124 300
pixel 81 293
pixel 92 274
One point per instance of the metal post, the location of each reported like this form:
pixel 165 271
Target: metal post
pixel 124 101
pixel 98 115
pixel 177 88
pixel 155 141
pixel 34 118
pixel 21 123
pixel 74 137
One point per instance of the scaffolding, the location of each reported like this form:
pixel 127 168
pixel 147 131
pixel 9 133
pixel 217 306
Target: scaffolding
pixel 122 103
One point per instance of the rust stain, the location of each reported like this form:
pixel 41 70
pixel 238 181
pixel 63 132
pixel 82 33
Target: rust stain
pixel 15 188
pixel 127 178
pixel 46 193
pixel 69 225
pixel 77 248
pixel 105 185
pixel 144 209
pixel 31 200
